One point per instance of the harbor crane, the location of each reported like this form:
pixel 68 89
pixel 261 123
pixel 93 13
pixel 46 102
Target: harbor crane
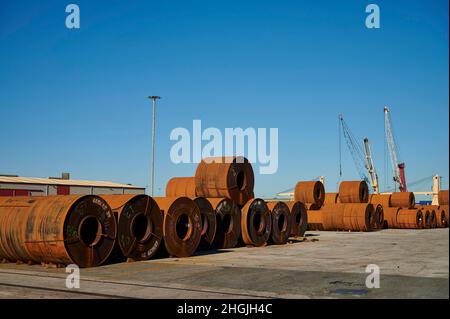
pixel 398 168
pixel 362 156
pixel 370 166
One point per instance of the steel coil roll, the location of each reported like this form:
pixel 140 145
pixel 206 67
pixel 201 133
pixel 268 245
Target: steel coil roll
pixel 69 229
pixel 230 177
pixel 299 218
pixel 182 225
pixel 256 223
pixel 139 225
pixel 310 192
pixel 410 219
pixel 403 200
pixel 353 192
pixel 281 222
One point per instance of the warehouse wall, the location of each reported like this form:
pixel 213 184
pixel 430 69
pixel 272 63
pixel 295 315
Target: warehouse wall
pixel 7 189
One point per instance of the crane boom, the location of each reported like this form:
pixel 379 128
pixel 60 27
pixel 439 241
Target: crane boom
pixel 398 169
pixel 370 166
pixel 355 149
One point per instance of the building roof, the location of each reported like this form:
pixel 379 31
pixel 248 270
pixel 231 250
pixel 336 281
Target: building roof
pixel 68 182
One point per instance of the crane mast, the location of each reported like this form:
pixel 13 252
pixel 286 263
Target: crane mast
pixel 398 169
pixel 370 166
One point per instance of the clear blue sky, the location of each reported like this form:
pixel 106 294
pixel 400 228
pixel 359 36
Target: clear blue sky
pixel 74 100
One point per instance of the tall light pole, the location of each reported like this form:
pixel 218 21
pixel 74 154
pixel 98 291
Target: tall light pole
pixel 152 173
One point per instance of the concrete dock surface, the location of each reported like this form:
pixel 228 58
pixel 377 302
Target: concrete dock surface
pixel 412 264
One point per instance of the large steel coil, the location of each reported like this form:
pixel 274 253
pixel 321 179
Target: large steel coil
pixel 181 186
pixel 353 192
pixel 281 222
pixel 310 192
pixel 403 199
pixel 256 222
pixel 380 199
pixel 182 225
pixel 443 197
pixel 299 218
pixel 72 229
pixel 139 225
pixel 409 219
pixel 441 220
pixel 358 217
pixel 333 217
pixel 331 198
pixel 209 223
pixel 230 177
pixel 390 216
pixel 228 221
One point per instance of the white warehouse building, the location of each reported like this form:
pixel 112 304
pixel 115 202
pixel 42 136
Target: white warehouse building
pixel 11 185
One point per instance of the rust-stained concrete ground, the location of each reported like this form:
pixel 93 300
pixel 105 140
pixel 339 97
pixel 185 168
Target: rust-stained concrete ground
pixel 413 264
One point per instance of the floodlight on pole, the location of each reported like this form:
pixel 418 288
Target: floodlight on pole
pixel 152 172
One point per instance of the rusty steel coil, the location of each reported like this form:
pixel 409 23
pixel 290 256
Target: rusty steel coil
pixel 228 176
pixel 333 217
pixel 209 223
pixel 228 221
pixel 380 199
pixel 310 192
pixel 353 192
pixel 378 218
pixel 69 229
pixel 299 218
pixel 256 223
pixel 281 222
pixel 181 186
pixel 440 217
pixel 403 200
pixel 358 217
pixel 410 219
pixel 331 198
pixel 443 197
pixel 315 220
pixel 139 225
pixel 390 216
pixel 182 225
